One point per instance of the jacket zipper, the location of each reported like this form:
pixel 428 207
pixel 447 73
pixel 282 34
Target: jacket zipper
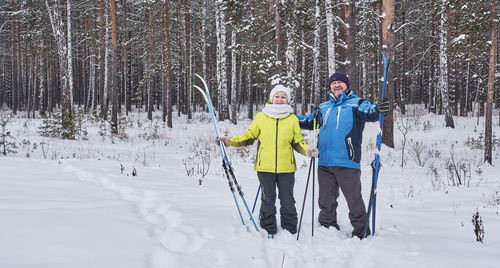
pixel 276 162
pixel 326 117
pixel 338 116
pixel 351 149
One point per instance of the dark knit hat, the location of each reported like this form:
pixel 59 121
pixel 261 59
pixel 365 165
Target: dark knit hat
pixel 339 77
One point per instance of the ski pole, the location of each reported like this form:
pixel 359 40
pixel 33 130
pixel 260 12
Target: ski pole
pixel 304 200
pixel 373 193
pixel 313 163
pixel 256 196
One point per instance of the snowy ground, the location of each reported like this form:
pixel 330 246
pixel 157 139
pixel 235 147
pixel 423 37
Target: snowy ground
pixel 77 204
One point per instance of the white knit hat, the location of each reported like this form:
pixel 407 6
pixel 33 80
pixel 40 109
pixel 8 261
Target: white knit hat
pixel 279 88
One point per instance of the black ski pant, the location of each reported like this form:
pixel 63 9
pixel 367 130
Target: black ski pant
pixel 288 213
pixel 330 179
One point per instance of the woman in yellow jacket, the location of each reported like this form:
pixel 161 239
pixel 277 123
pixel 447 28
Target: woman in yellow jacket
pixel 278 132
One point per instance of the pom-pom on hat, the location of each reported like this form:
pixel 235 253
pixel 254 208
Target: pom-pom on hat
pixel 339 77
pixel 279 88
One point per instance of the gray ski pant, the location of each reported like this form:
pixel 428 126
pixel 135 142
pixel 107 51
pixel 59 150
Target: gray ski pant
pixel 330 179
pixel 288 213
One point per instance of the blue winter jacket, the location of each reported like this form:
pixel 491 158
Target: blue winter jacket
pixel 341 125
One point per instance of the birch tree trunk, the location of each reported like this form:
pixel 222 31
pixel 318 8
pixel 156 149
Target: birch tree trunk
pixel 330 36
pixel 304 108
pixel 250 68
pixel 41 77
pixel 91 101
pixel 234 102
pixel 291 56
pixel 277 30
pixel 107 46
pixel 350 32
pixel 70 51
pixel 315 90
pixel 443 68
pixel 102 55
pixel 57 29
pixel 491 83
pixel 221 62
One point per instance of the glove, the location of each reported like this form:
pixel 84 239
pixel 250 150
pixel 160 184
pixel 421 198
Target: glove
pixel 382 107
pixel 312 152
pixel 225 140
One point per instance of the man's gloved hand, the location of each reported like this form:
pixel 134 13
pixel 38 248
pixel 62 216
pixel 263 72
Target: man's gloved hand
pixel 225 140
pixel 382 107
pixel 312 152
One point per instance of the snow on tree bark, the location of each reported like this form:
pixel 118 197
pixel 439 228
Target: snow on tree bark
pixel 443 67
pixel 330 36
pixel 62 52
pixel 220 26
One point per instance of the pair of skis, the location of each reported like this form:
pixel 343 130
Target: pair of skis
pixel 226 164
pixel 372 204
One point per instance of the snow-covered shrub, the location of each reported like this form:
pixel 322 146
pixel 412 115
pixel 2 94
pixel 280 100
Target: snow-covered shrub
pixel 437 183
pixel 419 152
pixel 197 164
pixel 459 170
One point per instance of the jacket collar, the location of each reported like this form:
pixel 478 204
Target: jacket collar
pixel 342 97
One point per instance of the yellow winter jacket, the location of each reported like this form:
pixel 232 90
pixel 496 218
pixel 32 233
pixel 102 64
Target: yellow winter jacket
pixel 277 139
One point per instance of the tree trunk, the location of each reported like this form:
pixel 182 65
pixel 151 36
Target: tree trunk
pixel 70 53
pixel 315 86
pixel 330 33
pixel 491 82
pixel 443 68
pixel 114 71
pixel 102 55
pixel 20 88
pixel 57 29
pixel 250 68
pixel 404 85
pixel 350 33
pixel 221 63
pixel 388 45
pixel 187 22
pixel 167 95
pixel 277 31
pixel 14 69
pixel 234 71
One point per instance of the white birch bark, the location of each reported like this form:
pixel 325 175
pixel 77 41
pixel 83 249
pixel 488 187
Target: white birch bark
pixel 107 46
pixel 221 61
pixel 315 91
pixel 203 41
pixel 41 77
pixel 443 68
pixel 303 75
pixel 92 81
pixel 62 51
pixel 233 78
pixel 70 52
pixel 330 36
pixel 291 58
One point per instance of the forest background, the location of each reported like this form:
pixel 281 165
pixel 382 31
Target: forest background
pixel 62 58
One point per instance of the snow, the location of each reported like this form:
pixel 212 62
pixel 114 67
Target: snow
pixel 70 205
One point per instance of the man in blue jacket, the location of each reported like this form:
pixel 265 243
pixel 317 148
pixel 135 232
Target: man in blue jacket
pixel 341 123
